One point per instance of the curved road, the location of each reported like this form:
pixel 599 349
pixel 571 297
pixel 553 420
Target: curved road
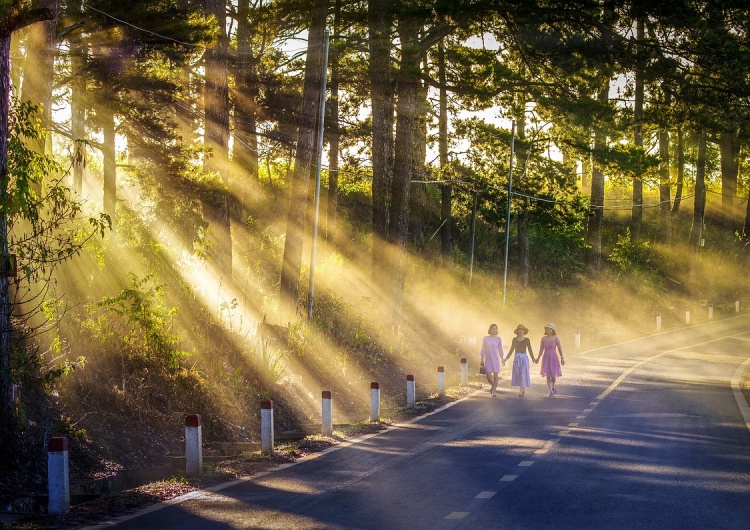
pixel 651 433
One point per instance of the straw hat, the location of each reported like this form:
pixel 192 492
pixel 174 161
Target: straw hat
pixel 521 326
pixel 550 326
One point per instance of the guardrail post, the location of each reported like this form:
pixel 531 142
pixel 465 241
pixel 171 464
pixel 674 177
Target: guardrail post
pixel 374 401
pixel 658 322
pixel 687 317
pixel 266 426
pixel 464 372
pixel 58 478
pixel 441 380
pixel 410 392
pixel 193 445
pixel 710 312
pixel 737 306
pixel 327 413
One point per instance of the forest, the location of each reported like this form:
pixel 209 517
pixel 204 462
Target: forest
pixel 207 203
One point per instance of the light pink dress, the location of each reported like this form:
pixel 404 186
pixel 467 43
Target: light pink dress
pixel 550 361
pixel 492 350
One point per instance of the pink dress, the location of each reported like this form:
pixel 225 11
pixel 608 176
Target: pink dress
pixel 492 350
pixel 550 361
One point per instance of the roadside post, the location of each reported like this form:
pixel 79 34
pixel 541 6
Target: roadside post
pixel 687 317
pixel 58 477
pixel 327 413
pixel 193 445
pixel 658 322
pixel 374 401
pixel 441 380
pixel 266 426
pixel 710 312
pixel 411 397
pixel 464 372
pixel 577 340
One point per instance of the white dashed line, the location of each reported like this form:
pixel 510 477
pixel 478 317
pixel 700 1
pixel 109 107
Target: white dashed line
pixel 457 515
pixel 486 495
pixel 509 478
pixel 526 463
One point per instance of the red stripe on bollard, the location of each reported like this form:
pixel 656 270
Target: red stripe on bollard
pixel 463 360
pixel 266 404
pixel 327 394
pixel 193 420
pixel 441 368
pixel 410 378
pixel 57 444
pixel 374 385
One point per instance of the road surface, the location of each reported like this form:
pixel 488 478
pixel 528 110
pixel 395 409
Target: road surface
pixel 644 434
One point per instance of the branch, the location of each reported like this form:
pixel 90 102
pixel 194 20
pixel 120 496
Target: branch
pixel 19 18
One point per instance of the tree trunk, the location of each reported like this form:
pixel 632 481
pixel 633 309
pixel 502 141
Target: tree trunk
pixel 664 186
pixel 216 102
pixel 78 115
pixel 408 85
pixel 245 151
pixel 379 18
pixel 109 201
pixel 446 195
pixel 636 218
pixel 333 127
pixel 696 230
pixel 729 145
pixel 593 257
pixel 6 389
pixel 41 49
pixel 16 18
pixel 680 172
pixel 298 185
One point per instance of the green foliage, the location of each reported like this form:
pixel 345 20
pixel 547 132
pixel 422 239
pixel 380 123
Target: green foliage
pixel 632 257
pixel 147 322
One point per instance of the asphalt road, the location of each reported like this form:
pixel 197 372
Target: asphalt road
pixel 645 434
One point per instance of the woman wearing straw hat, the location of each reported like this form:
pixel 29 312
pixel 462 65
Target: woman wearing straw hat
pixel 551 364
pixel 492 356
pixel 521 344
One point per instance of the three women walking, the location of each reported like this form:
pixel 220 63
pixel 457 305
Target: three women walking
pixel 492 358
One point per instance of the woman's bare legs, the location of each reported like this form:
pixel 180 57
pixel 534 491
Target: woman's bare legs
pixel 494 383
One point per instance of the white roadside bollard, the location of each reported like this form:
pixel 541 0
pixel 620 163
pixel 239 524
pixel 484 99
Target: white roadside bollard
pixel 687 317
pixel 441 380
pixel 374 402
pixel 464 372
pixel 658 322
pixel 710 312
pixel 327 413
pixel 411 395
pixel 737 306
pixel 266 426
pixel 193 445
pixel 58 478
pixel 577 340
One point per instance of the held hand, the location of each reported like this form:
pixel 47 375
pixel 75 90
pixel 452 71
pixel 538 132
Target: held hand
pixel 562 361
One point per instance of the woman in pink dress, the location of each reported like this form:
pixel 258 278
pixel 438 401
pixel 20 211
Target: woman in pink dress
pixel 492 356
pixel 551 363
